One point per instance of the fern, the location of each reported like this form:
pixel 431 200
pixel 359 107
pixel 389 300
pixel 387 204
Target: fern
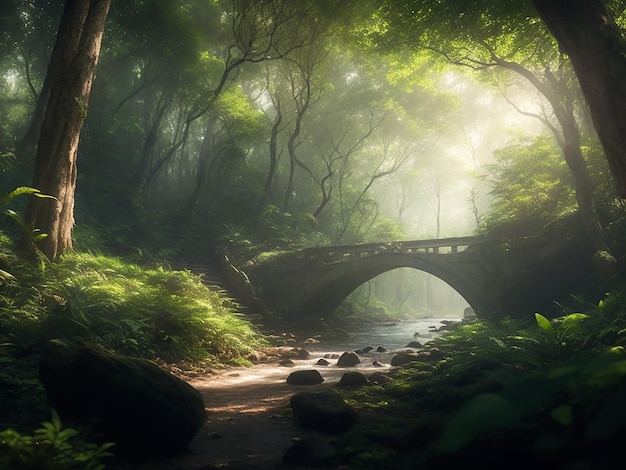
pixel 51 447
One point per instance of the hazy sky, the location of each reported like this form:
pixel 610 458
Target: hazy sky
pixel 485 121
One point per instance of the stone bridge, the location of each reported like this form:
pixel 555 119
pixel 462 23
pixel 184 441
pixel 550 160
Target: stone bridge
pixel 496 281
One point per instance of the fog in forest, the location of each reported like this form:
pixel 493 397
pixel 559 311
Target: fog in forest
pixel 445 192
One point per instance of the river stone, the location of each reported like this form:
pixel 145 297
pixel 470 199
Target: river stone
pixel 404 358
pixel 322 411
pixel 303 354
pixel 305 377
pixel 431 355
pixel 428 355
pixel 353 379
pixel 145 410
pixel 322 362
pixel 348 359
pixel 379 378
pixel 414 344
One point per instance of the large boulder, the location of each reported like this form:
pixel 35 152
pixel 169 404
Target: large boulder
pixel 305 377
pixel 322 411
pixel 379 378
pixel 404 357
pixel 348 359
pixel 144 409
pixel 353 379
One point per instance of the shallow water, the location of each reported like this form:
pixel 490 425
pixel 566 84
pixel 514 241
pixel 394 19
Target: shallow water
pixel 393 337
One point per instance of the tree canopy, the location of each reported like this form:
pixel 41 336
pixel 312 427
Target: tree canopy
pixel 317 122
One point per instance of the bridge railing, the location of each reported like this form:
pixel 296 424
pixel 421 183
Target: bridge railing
pixel 434 245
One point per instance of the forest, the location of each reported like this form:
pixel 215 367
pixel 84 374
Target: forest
pixel 142 139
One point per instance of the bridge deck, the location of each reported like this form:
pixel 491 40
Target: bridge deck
pixel 434 245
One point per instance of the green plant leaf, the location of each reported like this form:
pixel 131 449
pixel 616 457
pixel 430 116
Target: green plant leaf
pixel 39 237
pixel 18 218
pixel 44 196
pixel 18 192
pixel 573 318
pixel 563 414
pixel 5 275
pixel 544 324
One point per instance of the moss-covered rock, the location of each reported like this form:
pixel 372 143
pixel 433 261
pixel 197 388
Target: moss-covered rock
pixel 132 402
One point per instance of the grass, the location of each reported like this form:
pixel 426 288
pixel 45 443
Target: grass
pixel 154 313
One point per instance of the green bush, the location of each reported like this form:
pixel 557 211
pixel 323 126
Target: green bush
pixel 51 447
pixel 151 312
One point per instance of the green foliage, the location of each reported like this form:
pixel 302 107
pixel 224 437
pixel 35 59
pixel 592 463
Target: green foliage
pixel 51 447
pixel 580 397
pixel 150 312
pixel 552 388
pixel 278 229
pixel 567 370
pixel 5 199
pixel 531 183
pixel 246 123
pixel 156 313
pixel 566 333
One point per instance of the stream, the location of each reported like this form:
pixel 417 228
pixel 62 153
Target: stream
pixel 247 426
pixel 390 337
pixel 393 337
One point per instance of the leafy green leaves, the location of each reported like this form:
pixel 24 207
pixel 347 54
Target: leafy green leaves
pixel 51 447
pixel 544 324
pixel 527 181
pixel 583 394
pixel 35 234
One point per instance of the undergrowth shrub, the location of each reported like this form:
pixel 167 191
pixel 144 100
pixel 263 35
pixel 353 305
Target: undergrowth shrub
pixel 51 447
pixel 155 312
pixel 152 312
pixel 545 389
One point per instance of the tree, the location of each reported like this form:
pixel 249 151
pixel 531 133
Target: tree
pixel 530 181
pixel 587 32
pixel 29 31
pixel 506 35
pixel 69 75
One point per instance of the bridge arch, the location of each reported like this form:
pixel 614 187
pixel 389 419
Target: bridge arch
pixel 332 287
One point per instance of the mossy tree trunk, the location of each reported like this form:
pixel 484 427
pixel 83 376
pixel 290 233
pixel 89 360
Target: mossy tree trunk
pixel 597 49
pixel 69 75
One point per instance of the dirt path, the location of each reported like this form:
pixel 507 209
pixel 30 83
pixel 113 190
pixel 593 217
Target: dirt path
pixel 249 424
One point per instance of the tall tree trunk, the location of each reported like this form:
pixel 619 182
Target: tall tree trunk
pixel 560 99
pixel 271 171
pixel 582 183
pixel 597 49
pixel 70 75
pixel 207 159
